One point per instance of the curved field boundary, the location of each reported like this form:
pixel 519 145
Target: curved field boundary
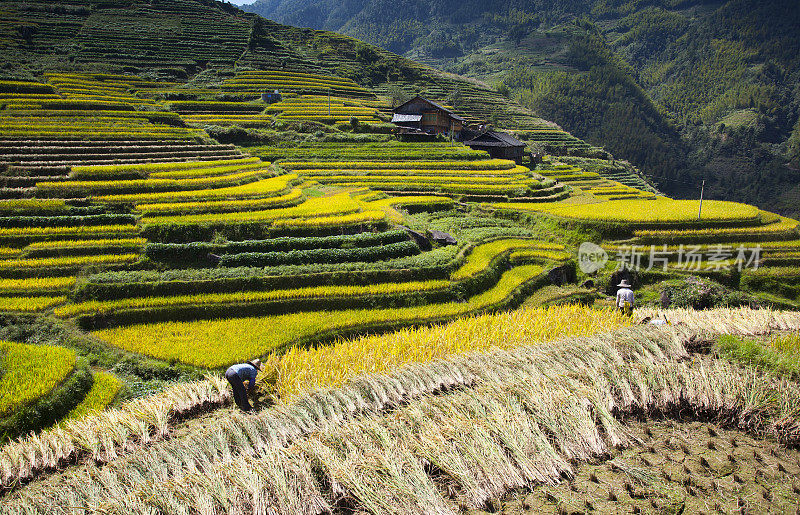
pixel 781 229
pixel 259 189
pixel 258 336
pixel 479 271
pixel 294 197
pixel 41 384
pixel 30 372
pixel 105 389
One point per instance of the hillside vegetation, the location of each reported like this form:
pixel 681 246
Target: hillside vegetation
pixel 686 90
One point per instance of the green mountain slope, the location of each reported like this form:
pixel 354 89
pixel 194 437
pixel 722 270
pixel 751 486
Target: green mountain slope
pixel 686 90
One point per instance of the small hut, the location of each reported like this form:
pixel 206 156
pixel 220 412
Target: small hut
pixel 423 116
pixel 499 145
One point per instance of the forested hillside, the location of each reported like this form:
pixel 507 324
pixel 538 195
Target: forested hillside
pixel 686 90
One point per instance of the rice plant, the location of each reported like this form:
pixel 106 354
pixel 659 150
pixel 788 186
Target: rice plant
pixel 104 390
pixel 30 372
pixel 643 212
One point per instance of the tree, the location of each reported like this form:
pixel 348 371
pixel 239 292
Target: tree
pixel 398 95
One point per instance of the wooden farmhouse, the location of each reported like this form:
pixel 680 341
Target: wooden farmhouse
pixel 499 145
pixel 423 116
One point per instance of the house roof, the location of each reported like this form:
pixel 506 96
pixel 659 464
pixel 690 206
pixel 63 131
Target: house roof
pixel 400 118
pixel 495 139
pixel 434 104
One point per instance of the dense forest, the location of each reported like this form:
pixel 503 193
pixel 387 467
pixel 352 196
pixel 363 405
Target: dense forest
pixel 687 90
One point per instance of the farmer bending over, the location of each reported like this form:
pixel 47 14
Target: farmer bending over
pixel 625 298
pixel 237 375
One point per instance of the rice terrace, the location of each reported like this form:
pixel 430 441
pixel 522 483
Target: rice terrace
pixel 247 267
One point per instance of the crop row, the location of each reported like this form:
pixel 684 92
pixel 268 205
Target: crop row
pixel 27 303
pixel 67 104
pixel 179 306
pixel 22 98
pixel 29 206
pixel 36 285
pixel 519 257
pixel 151 168
pixel 101 188
pixel 210 171
pixel 324 118
pixel 67 261
pixel 453 177
pixel 257 189
pixel 34 116
pixel 32 234
pixel 292 198
pixel 105 389
pixel 258 87
pixel 661 211
pixel 12 86
pixel 243 120
pixel 482 261
pixel 482 256
pixel 250 75
pixel 59 248
pixel 66 221
pixel 90 132
pixel 45 123
pixel 340 203
pixel 193 106
pixel 456 175
pixel 303 257
pixel 389 151
pixel 197 253
pixel 784 229
pixel 254 226
pixel 373 166
pixel 145 170
pixel 111 285
pixel 516 189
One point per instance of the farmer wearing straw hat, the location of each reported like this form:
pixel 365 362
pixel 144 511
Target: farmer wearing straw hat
pixel 625 298
pixel 237 375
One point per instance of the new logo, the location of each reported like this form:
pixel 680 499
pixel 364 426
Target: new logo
pixel 591 257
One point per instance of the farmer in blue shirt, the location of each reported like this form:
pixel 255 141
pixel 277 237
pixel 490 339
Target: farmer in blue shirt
pixel 237 375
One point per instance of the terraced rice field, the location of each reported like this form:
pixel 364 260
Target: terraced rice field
pixel 120 214
pixel 649 213
pixel 408 168
pixel 87 107
pixel 257 82
pixel 323 109
pixel 276 250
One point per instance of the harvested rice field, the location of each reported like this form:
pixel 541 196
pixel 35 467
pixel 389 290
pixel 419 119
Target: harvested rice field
pixel 677 467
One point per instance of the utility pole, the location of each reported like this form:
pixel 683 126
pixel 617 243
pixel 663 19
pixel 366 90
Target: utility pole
pixel 702 187
pixel 329 102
